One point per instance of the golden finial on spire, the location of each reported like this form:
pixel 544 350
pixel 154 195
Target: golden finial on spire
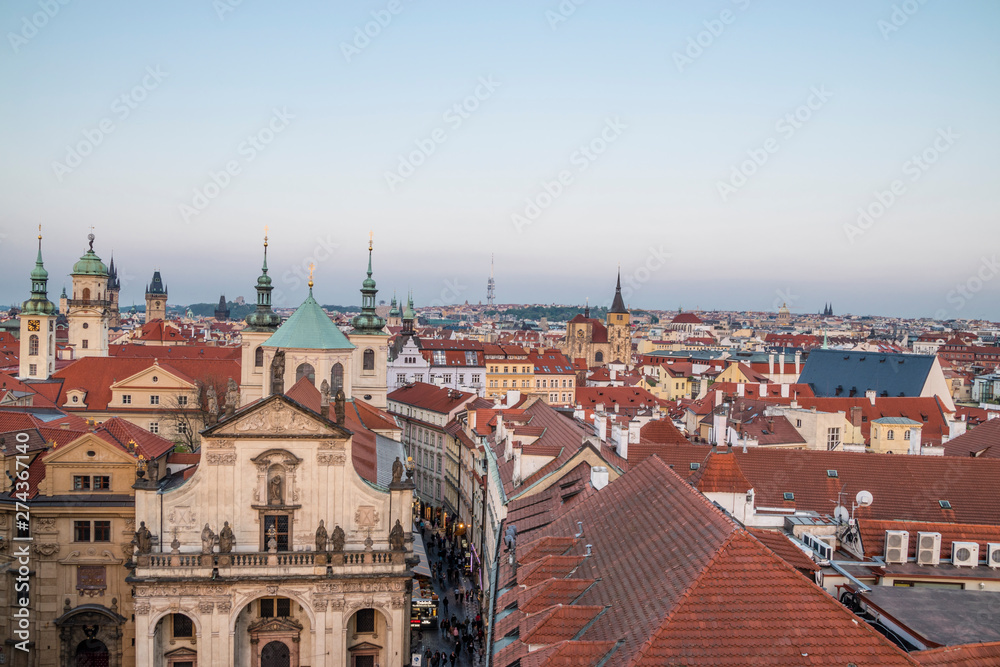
pixel 371 236
pixel 265 235
pixel 39 232
pixel 311 267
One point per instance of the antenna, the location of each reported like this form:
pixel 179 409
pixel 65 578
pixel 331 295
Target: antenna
pixel 841 514
pixel 864 499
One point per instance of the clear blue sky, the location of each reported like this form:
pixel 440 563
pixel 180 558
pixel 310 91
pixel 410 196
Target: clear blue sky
pixel 673 132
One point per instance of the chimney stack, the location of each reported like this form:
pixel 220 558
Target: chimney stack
pixel 599 477
pixel 870 395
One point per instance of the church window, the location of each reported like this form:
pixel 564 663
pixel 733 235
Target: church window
pixel 305 370
pixel 258 357
pixel 365 621
pixel 337 377
pixel 33 344
pixel 598 356
pixel 183 626
pixel 86 293
pixel 369 360
pixel 271 607
pixel 280 523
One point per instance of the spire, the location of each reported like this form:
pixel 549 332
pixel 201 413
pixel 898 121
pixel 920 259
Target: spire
pixel 586 310
pixel 368 321
pixel 826 342
pixel 409 315
pixel 618 305
pixel 38 303
pixel 263 318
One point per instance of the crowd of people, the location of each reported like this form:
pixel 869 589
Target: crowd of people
pixel 458 631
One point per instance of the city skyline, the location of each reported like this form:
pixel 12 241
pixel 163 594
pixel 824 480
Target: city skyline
pixel 754 154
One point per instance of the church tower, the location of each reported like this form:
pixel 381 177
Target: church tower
pixel 371 352
pixel 156 299
pixel 395 317
pixel 261 324
pixel 619 327
pixel 88 310
pixel 38 324
pixel 114 287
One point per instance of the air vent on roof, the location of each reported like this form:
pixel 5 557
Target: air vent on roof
pixel 897 545
pixel 695 466
pixel 964 554
pixel 928 548
pixel 945 505
pixel 993 554
pixel 831 473
pixel 788 495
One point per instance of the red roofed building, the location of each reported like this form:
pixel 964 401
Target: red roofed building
pixel 555 377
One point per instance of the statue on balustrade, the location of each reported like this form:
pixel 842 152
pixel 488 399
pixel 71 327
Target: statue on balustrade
pixel 226 539
pixel 143 539
pixel 207 540
pixel 338 539
pixel 321 537
pixel 396 537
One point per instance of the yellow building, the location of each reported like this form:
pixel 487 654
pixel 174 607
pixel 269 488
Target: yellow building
pixel 555 379
pixel 895 435
pixel 738 373
pixel 508 367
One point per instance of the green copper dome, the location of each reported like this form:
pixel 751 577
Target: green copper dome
pixel 263 318
pixel 309 328
pixel 90 264
pixel 368 322
pixel 39 303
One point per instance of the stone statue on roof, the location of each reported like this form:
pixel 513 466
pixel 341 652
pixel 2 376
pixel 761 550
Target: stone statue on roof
pixel 321 537
pixel 396 536
pixel 207 540
pixel 338 406
pixel 226 539
pixel 337 539
pixel 232 397
pixel 397 471
pixel 143 539
pixel 278 373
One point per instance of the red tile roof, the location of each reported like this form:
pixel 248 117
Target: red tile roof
pixel 967 655
pixel 721 474
pixel 430 397
pixel 913 407
pixel 569 654
pixel 983 440
pixel 873 535
pixel 784 549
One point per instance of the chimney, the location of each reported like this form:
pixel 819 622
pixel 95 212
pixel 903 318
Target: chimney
pixel 598 478
pixel 770 364
pixel 870 395
pixel 741 389
pixel 781 362
pixel 798 363
pixel 513 396
pixel 784 390
pixel 856 416
pixel 915 440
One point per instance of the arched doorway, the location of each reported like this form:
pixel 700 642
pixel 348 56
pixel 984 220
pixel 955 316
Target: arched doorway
pixel 367 636
pixel 275 654
pixel 92 652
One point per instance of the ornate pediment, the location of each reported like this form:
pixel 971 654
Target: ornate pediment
pixel 181 653
pixel 275 417
pixel 364 646
pixel 275 625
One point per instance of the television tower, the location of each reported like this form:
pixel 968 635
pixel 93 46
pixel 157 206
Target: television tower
pixel 491 287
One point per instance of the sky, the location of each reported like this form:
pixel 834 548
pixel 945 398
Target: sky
pixel 729 154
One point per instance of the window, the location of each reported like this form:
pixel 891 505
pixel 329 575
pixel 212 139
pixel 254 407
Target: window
pixel 365 621
pixel 182 428
pixel 81 482
pixel 788 495
pixel 336 377
pixel 599 357
pixel 85 343
pixel 258 357
pixel 81 531
pixel 890 434
pixel 154 427
pixel 470 358
pixel 906 434
pixel 182 400
pixel 305 371
pixel 439 358
pixel 401 378
pixel 33 345
pixel 183 626
pixel 154 399
pixel 798 423
pixel 33 370
pixel 280 523
pixel 475 378
pixel 832 438
pixel 447 378
pixel 102 482
pixel 102 531
pixel 439 463
pixel 369 360
pixel 126 399
pixel 506 369
pixel 271 607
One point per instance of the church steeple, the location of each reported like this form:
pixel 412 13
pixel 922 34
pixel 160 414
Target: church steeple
pixel 263 319
pixel 618 305
pixel 38 303
pixel 409 315
pixel 368 321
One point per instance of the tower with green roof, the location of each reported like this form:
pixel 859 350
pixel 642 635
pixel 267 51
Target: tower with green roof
pixel 371 342
pixel 89 306
pixel 38 316
pixel 260 325
pixel 395 316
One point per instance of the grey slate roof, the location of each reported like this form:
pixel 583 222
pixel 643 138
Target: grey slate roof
pixel 887 374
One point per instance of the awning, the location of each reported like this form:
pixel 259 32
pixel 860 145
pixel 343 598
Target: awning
pixel 423 568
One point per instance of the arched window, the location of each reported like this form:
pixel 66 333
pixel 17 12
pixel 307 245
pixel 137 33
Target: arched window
pixel 890 434
pixel 906 434
pixel 33 344
pixel 86 293
pixel 307 371
pixel 258 357
pixel 369 361
pixel 598 357
pixel 336 378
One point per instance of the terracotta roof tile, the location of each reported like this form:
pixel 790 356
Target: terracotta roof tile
pixel 966 655
pixel 569 654
pixel 784 549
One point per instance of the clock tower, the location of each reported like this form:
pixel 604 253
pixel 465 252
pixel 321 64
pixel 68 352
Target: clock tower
pixel 90 306
pixel 156 299
pixel 38 321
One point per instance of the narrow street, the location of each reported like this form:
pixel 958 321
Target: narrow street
pixel 435 640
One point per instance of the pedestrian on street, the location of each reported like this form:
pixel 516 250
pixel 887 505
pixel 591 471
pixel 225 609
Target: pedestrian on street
pixel 453 658
pixel 427 656
pixel 445 627
pixel 445 603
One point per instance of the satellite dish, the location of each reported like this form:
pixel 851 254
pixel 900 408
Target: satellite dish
pixel 864 499
pixel 841 514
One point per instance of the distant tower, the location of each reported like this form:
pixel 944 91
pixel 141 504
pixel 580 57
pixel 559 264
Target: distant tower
pixel 491 289
pixel 37 356
pixel 395 317
pixel 784 316
pixel 156 299
pixel 619 329
pixel 371 352
pixel 409 317
pixel 261 324
pixel 114 286
pixel 88 310
pixel 222 310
